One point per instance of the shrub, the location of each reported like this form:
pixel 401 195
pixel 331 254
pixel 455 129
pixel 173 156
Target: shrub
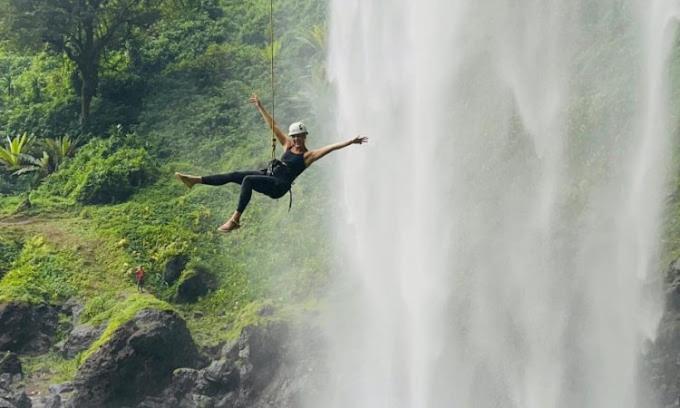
pixel 9 250
pixel 102 173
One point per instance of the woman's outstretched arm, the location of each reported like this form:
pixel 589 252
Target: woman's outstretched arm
pixel 315 155
pixel 282 138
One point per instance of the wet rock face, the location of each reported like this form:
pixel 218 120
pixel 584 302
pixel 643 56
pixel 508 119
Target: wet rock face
pixel 263 368
pixel 26 328
pixel 138 360
pixel 660 364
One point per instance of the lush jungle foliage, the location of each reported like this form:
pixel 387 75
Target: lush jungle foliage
pixel 100 103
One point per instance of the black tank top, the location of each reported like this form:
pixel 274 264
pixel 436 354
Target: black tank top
pixel 294 162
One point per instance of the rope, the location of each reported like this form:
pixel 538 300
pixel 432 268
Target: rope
pixel 271 39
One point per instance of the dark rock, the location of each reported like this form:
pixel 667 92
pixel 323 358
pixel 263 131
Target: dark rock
pixel 266 367
pixel 214 352
pixel 195 283
pixel 224 373
pixel 260 354
pixel 672 285
pixel 80 339
pixel 202 401
pixel 53 401
pixel 60 396
pixel 64 388
pixel 9 363
pixel 26 328
pixel 73 307
pixel 8 380
pixel 661 363
pixel 137 361
pixel 173 268
pixel 14 400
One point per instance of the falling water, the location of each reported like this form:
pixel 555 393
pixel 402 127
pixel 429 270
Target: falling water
pixel 497 232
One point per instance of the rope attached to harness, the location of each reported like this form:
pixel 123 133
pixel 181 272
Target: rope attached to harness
pixel 271 39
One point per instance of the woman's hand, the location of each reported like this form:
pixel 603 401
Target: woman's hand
pixel 255 100
pixel 359 140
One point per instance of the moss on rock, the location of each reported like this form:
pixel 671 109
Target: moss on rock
pixel 122 313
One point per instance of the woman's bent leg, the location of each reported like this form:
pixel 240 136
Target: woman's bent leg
pixel 233 177
pixel 268 185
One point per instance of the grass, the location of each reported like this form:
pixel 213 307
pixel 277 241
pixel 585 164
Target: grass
pixel 41 274
pixel 8 205
pixel 52 367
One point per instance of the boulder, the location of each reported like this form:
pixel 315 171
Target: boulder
pixel 267 367
pixel 195 283
pixel 27 328
pixel 80 339
pixel 12 393
pixel 9 363
pixel 9 399
pixel 60 396
pixel 52 401
pixel 137 360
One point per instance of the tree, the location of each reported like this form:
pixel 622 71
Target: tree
pixel 82 29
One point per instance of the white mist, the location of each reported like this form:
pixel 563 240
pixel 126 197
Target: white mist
pixel 497 232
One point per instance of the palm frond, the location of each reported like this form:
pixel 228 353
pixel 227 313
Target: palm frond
pixel 60 149
pixel 27 158
pixel 26 169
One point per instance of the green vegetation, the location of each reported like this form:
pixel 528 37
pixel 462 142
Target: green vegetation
pixel 41 274
pixel 83 32
pixel 51 365
pixel 9 251
pixel 103 173
pixel 87 191
pixel 11 156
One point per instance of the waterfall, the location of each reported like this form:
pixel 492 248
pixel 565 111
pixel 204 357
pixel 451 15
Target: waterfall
pixel 497 236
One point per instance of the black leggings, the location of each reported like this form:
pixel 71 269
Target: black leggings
pixel 271 186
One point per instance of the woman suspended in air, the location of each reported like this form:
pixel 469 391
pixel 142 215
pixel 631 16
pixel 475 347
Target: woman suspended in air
pixel 276 180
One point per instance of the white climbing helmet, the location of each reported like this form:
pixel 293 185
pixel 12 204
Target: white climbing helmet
pixel 297 128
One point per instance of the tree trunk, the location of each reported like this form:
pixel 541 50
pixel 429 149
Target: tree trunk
pixel 89 69
pixel 88 88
